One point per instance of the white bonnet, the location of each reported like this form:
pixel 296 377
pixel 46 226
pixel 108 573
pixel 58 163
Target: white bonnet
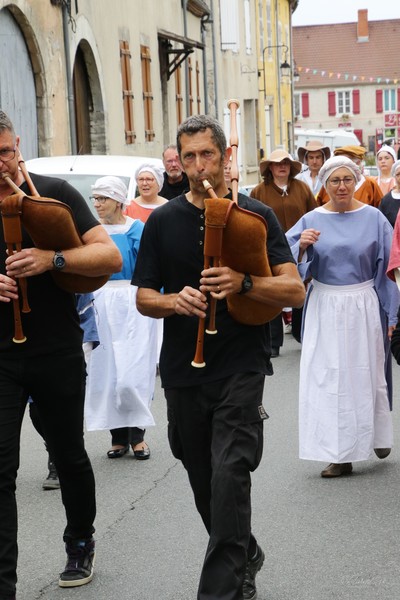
pixel 154 170
pixel 111 187
pixel 395 167
pixel 337 162
pixel 389 150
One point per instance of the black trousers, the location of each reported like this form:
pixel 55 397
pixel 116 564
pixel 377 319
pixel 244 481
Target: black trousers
pixel 216 430
pixel 127 435
pixel 56 384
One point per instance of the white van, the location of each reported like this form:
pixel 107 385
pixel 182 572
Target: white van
pixel 81 171
pixel 333 138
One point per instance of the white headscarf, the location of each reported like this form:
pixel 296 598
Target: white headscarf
pixel 395 167
pixel 337 162
pixel 157 173
pixel 389 150
pixel 111 187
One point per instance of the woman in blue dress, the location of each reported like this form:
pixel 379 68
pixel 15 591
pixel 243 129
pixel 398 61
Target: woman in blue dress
pixel 122 371
pixel 343 249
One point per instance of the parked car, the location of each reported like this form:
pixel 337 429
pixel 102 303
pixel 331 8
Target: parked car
pixel 81 171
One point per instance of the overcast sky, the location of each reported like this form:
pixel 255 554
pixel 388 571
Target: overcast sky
pixel 316 12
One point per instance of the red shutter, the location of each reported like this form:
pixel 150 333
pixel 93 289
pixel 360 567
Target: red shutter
pixel 398 99
pixel 379 101
pixel 356 102
pixel 305 105
pixel 359 134
pixel 332 104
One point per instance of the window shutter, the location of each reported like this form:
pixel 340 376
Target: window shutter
pixel 356 102
pixel 305 105
pixel 398 99
pixel 331 104
pixel 379 101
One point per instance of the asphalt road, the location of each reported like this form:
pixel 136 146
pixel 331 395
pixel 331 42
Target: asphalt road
pixel 324 539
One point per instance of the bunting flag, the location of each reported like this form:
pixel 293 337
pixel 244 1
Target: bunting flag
pixel 346 76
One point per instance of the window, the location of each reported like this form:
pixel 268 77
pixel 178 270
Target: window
pixel 229 25
pixel 247 26
pixel 344 102
pixel 389 100
pixel 301 105
pixel 147 93
pixel 127 93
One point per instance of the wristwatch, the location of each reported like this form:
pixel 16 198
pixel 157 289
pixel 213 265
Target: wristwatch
pixel 247 284
pixel 58 260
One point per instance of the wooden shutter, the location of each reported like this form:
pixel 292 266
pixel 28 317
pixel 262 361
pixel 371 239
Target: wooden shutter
pixel 398 99
pixel 332 104
pixel 356 102
pixel 127 93
pixel 147 93
pixel 178 95
pixel 305 105
pixel 379 101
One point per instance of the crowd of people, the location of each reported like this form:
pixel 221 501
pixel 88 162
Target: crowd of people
pixel 333 245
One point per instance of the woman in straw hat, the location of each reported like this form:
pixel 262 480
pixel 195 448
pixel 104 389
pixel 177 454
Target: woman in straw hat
pixel 345 376
pixel 290 199
pixel 122 369
pixel 314 154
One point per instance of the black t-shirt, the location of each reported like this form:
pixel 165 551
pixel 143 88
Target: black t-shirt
pixel 170 257
pixel 172 190
pixel 53 324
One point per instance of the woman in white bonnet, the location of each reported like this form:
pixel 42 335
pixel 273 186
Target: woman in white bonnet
pixel 385 159
pixel 345 376
pixel 122 368
pixel 149 179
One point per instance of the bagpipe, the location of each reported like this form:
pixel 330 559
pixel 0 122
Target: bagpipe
pixel 51 226
pixel 237 238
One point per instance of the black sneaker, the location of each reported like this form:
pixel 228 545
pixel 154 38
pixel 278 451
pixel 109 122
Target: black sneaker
pixel 80 563
pixel 51 482
pixel 252 568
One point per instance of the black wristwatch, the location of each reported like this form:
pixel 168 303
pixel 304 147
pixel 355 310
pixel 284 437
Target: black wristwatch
pixel 58 260
pixel 247 284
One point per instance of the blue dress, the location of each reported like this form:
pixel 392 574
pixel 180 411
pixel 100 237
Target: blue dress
pixel 122 370
pixel 344 410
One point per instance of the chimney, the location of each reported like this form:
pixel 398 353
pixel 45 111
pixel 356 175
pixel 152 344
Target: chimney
pixel 362 25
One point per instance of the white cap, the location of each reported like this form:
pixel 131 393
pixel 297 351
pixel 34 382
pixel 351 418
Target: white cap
pixel 111 187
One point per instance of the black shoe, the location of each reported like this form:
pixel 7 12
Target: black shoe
pixel 118 452
pixel 142 454
pixel 252 568
pixel 80 563
pixel 382 452
pixel 274 352
pixel 51 482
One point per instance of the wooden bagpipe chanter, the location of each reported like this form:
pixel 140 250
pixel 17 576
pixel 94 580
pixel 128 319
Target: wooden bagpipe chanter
pixel 51 226
pixel 237 238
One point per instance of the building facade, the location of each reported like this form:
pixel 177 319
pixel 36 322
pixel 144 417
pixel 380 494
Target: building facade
pixel 91 77
pixel 349 78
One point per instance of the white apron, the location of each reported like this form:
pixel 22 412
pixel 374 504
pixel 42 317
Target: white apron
pixel 343 400
pixel 122 369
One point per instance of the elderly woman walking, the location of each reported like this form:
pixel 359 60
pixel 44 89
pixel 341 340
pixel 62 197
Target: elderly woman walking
pixel 122 370
pixel 149 180
pixel 344 246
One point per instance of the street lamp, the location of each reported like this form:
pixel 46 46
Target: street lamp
pixel 284 67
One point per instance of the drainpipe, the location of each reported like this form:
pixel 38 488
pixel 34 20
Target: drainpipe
pixel 187 89
pixel 278 41
pixel 204 21
pixel 66 11
pixel 214 54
